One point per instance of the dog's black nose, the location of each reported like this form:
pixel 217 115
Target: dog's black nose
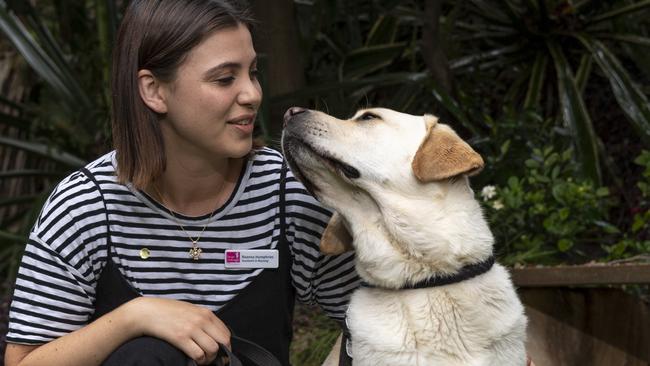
pixel 292 112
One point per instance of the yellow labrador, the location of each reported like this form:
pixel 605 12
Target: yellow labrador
pixel 433 294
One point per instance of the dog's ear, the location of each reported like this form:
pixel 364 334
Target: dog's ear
pixel 336 238
pixel 443 154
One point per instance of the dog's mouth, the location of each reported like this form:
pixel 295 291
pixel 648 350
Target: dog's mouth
pixel 292 145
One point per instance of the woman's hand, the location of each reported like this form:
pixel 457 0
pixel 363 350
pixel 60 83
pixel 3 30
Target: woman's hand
pixel 193 329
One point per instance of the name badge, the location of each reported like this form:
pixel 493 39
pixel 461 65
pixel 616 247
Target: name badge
pixel 251 258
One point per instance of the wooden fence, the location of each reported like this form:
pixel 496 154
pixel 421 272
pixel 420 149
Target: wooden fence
pixel 582 315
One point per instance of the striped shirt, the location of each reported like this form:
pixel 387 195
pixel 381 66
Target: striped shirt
pixel 66 250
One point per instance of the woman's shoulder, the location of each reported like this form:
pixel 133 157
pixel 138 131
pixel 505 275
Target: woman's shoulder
pixel 76 194
pixel 266 156
pixel 265 166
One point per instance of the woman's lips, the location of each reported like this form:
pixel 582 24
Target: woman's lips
pixel 243 123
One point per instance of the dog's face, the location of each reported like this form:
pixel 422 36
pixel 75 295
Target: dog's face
pixel 325 151
pixel 377 153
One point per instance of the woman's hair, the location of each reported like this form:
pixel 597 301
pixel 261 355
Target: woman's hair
pixel 156 35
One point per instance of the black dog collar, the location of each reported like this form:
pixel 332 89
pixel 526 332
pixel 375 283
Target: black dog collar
pixel 466 272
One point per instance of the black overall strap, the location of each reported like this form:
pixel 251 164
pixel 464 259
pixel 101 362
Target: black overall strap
pixel 283 183
pixel 87 173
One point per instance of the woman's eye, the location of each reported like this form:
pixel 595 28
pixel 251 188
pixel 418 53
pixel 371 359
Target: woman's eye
pixel 367 117
pixel 226 80
pixel 254 74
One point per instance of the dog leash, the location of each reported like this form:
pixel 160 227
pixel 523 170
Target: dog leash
pixel 250 353
pixel 465 273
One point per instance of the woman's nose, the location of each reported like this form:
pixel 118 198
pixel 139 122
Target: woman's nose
pixel 251 94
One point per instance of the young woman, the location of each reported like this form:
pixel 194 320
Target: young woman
pixel 187 230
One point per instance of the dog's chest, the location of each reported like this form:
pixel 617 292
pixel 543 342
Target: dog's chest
pixel 416 324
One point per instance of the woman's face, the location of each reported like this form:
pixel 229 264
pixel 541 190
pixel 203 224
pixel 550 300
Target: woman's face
pixel 212 102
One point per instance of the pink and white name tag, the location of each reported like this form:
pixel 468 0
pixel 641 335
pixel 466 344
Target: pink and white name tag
pixel 251 258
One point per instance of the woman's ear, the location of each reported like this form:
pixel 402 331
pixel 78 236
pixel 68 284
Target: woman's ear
pixel 151 91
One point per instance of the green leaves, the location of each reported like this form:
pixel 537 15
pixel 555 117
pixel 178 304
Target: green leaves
pixel 366 60
pixel 452 106
pixel 45 60
pixel 576 117
pixel 537 74
pixel 548 214
pixel 44 151
pixel 386 79
pixel 563 245
pixel 623 10
pixel 63 120
pixel 629 96
pixel 525 53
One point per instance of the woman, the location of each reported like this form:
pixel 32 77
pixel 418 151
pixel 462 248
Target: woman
pixel 127 260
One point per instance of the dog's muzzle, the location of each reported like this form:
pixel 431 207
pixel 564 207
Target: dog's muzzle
pixel 294 142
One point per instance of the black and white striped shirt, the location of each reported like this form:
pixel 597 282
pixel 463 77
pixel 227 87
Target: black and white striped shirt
pixel 55 287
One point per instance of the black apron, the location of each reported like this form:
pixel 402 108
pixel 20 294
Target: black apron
pixel 261 313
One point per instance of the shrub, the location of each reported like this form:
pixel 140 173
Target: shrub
pixel 636 240
pixel 547 215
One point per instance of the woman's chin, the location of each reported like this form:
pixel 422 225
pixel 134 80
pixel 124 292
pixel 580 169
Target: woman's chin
pixel 242 149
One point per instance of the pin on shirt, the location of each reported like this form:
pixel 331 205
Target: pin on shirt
pixel 144 253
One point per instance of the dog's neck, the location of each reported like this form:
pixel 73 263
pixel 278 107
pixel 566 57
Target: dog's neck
pixel 411 239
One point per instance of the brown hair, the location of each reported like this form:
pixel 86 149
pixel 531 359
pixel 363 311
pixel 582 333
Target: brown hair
pixel 156 35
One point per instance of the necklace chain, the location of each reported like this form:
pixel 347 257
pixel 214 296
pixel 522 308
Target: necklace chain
pixel 195 251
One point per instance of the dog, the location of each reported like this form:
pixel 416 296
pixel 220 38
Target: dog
pixel 432 293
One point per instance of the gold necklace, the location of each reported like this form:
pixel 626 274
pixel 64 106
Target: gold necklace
pixel 195 251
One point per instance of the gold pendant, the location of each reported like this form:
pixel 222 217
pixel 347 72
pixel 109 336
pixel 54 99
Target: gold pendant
pixel 195 252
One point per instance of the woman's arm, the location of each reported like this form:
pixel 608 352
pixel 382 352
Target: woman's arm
pixel 326 280
pixel 193 329
pixel 89 345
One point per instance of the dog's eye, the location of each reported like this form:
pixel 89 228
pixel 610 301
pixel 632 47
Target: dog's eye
pixel 367 116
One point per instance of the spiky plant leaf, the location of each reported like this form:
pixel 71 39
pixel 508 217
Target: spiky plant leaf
pixel 575 116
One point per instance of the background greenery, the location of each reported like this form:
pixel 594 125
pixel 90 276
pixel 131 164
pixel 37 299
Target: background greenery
pixel 554 94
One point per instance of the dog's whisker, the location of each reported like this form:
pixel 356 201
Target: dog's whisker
pixel 327 108
pixel 271 140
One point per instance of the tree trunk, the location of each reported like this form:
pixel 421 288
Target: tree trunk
pixel 432 46
pixel 277 41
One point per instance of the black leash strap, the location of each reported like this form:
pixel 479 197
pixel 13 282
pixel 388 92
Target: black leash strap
pixel 344 358
pixel 224 351
pixel 465 273
pixel 245 353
